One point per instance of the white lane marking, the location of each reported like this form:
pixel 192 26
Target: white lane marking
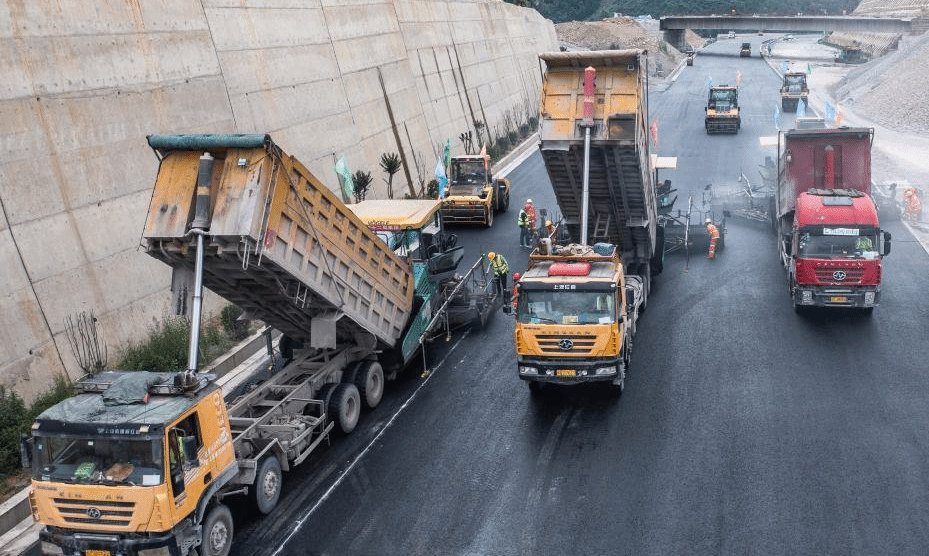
pixel 348 470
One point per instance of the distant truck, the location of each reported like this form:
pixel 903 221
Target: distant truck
pixel 474 195
pixel 829 236
pixel 721 114
pixel 578 302
pixel 746 50
pixel 141 462
pixel 793 90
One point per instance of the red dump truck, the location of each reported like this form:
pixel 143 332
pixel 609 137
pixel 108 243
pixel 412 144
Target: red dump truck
pixel 830 239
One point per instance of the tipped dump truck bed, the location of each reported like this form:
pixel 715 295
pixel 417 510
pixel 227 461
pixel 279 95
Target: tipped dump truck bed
pixel 623 204
pixel 279 244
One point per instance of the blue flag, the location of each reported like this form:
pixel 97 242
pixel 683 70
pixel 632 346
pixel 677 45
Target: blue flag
pixel 784 67
pixel 801 109
pixel 777 117
pixel 440 175
pixel 829 112
pixel 709 82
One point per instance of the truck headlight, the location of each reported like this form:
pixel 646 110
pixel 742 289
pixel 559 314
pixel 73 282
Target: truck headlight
pixel 51 549
pixel 806 297
pixel 160 551
pixel 600 371
pixel 524 370
pixel 869 298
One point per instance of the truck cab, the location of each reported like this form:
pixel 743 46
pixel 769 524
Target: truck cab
pixel 474 195
pixel 573 324
pixel 746 50
pixel 131 464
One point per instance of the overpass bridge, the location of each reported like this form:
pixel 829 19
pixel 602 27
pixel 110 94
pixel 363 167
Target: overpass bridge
pixel 674 26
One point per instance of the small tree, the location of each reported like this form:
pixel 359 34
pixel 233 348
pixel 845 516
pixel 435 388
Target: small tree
pixel 390 163
pixel 467 142
pixel 362 181
pixel 432 189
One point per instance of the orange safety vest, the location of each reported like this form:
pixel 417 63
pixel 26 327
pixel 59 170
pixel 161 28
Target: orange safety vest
pixel 712 231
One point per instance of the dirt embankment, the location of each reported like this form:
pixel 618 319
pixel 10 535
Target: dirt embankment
pixel 621 33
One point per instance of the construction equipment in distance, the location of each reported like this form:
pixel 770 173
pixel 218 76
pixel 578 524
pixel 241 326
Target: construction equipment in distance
pixel 793 90
pixel 474 195
pixel 746 50
pixel 722 110
pixel 139 462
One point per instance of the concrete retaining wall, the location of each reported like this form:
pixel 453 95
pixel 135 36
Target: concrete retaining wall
pixel 85 82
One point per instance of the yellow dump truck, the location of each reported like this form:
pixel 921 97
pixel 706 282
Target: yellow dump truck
pixel 722 110
pixel 474 194
pixel 140 462
pixel 578 303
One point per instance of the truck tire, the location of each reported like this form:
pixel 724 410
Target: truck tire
pixel 657 261
pixel 369 379
pixel 217 532
pixel 503 199
pixel 345 407
pixel 489 217
pixel 267 488
pixel 324 395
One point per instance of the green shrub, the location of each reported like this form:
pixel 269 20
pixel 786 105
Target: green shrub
pixel 13 421
pixel 432 189
pixel 166 349
pixel 503 144
pixel 524 130
pixel 513 137
pixel 533 123
pixel 493 151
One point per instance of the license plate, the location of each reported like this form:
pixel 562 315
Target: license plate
pixel 838 299
pixel 565 372
pixel 96 553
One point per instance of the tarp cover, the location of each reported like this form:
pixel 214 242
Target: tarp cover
pixel 132 388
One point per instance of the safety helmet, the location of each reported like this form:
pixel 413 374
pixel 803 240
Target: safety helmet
pixel 548 222
pixel 491 255
pixel 516 276
pixel 708 221
pixel 908 193
pixel 528 201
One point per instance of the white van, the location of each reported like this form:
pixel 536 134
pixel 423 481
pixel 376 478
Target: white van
pixel 731 34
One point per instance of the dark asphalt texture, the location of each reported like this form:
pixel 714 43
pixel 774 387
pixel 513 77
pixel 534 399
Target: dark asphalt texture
pixel 744 428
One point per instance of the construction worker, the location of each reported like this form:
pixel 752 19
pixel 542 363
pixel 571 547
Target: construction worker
pixel 913 208
pixel 500 268
pixel 713 232
pixel 530 211
pixel 550 229
pixel 515 299
pixel 524 232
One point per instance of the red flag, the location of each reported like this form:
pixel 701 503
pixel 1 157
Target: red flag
pixel 654 129
pixel 483 154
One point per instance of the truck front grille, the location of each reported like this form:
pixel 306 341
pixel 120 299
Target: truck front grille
pixel 554 344
pixel 95 512
pixel 827 276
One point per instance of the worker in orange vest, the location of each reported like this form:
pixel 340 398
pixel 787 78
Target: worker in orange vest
pixel 713 232
pixel 515 299
pixel 913 207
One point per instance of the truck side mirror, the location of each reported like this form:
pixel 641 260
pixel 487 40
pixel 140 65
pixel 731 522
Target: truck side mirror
pixel 190 451
pixel 25 450
pixel 886 243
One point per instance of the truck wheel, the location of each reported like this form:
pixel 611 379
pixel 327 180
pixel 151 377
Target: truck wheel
pixel 369 379
pixel 657 261
pixel 267 488
pixel 535 387
pixel 324 394
pixel 489 217
pixel 504 200
pixel 345 406
pixel 217 532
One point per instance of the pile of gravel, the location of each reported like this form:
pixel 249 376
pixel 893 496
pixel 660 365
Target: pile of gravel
pixel 892 90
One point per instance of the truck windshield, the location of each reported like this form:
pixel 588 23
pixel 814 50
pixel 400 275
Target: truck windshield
pixel 468 172
pixel 851 244
pixel 83 459
pixel 566 307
